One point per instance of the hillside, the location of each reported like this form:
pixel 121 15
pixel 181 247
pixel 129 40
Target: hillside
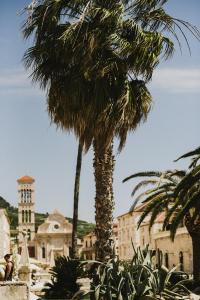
pixel 83 226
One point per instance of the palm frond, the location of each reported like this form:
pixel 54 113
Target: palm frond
pixel 144 174
pixel 141 184
pixel 190 153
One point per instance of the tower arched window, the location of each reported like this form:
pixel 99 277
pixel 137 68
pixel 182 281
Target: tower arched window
pixel 29 234
pixel 29 195
pixel 26 216
pixel 29 216
pixel 23 221
pixel 181 261
pixel 24 195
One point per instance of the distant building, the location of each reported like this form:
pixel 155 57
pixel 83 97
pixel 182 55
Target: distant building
pixel 89 240
pixel 127 233
pixel 53 238
pixel 26 206
pixel 175 253
pixel 88 249
pixel 4 233
pixel 26 212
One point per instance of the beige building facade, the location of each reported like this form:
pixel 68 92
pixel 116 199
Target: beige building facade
pixel 26 207
pixel 53 238
pixel 175 253
pixel 88 249
pixel 89 240
pixel 128 233
pixel 4 233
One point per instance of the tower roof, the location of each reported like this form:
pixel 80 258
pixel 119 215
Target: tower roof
pixel 26 179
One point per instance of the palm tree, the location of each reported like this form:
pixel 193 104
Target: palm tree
pixel 74 251
pixel 95 59
pixel 177 193
pixel 159 196
pixel 187 194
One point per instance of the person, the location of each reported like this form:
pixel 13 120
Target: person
pixel 9 268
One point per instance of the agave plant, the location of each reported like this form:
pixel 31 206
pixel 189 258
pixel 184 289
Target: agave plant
pixel 63 283
pixel 141 279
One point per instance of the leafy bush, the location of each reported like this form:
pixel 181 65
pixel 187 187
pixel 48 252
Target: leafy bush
pixel 144 278
pixel 64 276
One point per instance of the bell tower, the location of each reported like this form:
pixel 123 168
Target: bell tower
pixel 26 206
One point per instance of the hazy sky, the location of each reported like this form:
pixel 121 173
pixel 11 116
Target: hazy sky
pixel 31 145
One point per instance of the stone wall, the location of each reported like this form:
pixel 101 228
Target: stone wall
pixel 181 245
pixel 14 290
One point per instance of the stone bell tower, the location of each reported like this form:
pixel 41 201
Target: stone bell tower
pixel 26 207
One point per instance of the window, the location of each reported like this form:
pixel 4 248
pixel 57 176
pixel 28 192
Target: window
pixel 31 251
pixel 26 216
pixel 56 226
pixel 29 216
pixel 43 252
pixel 29 234
pixel 23 221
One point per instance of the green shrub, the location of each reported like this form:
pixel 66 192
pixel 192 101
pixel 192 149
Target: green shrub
pixel 144 278
pixel 64 276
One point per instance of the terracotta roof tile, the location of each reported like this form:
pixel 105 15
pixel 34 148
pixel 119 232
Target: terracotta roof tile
pixel 25 179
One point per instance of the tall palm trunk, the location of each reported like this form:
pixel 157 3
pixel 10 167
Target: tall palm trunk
pixel 104 200
pixel 196 259
pixel 193 227
pixel 74 251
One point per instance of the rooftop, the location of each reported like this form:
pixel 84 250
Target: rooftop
pixel 26 179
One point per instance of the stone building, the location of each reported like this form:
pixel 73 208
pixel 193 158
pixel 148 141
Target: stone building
pixel 26 212
pixel 4 233
pixel 53 238
pixel 88 249
pixel 26 206
pixel 116 237
pixel 127 232
pixel 175 253
pixel 89 240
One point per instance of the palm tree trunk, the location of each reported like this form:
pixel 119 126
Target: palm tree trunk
pixel 104 200
pixel 74 251
pixel 196 259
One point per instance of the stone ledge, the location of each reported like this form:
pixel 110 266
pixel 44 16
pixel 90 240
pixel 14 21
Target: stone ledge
pixel 15 283
pixel 10 290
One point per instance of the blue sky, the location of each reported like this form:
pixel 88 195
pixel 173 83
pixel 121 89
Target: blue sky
pixel 31 145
